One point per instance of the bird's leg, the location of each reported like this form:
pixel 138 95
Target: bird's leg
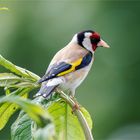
pixel 71 95
pixel 77 105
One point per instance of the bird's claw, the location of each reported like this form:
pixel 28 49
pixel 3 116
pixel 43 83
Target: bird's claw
pixel 75 107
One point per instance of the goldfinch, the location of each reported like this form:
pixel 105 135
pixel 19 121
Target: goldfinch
pixel 70 66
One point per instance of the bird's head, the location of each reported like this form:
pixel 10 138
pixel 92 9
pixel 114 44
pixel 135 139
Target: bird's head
pixel 90 40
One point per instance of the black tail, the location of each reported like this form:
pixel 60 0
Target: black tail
pixel 46 91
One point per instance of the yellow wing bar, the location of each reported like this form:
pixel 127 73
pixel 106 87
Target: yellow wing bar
pixel 74 64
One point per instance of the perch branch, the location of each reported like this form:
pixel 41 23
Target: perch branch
pixel 79 114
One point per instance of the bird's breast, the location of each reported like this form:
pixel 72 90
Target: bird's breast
pixel 74 79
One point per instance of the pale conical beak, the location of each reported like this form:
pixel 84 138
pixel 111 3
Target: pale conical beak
pixel 103 44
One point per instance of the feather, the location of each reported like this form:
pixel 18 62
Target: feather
pixel 55 81
pixel 55 71
pixel 64 68
pixel 46 91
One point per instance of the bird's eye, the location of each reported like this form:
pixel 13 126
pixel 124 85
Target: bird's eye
pixel 94 40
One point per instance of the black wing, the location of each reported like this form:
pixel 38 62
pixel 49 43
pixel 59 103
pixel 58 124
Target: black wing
pixel 55 70
pixel 65 68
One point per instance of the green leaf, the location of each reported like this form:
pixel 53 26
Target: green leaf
pixel 25 85
pixel 7 79
pixel 11 80
pixel 28 74
pixel 18 70
pixel 87 116
pixel 21 128
pixel 46 133
pixel 25 128
pixel 7 109
pixel 36 112
pixel 66 123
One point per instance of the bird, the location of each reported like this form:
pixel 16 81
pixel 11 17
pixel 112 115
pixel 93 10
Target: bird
pixel 70 65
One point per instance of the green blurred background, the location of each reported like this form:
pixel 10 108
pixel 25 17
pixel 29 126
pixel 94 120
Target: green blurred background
pixel 31 32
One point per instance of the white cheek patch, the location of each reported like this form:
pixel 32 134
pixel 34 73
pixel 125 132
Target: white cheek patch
pixel 87 44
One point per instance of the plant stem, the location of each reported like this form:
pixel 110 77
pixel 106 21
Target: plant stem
pixel 79 114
